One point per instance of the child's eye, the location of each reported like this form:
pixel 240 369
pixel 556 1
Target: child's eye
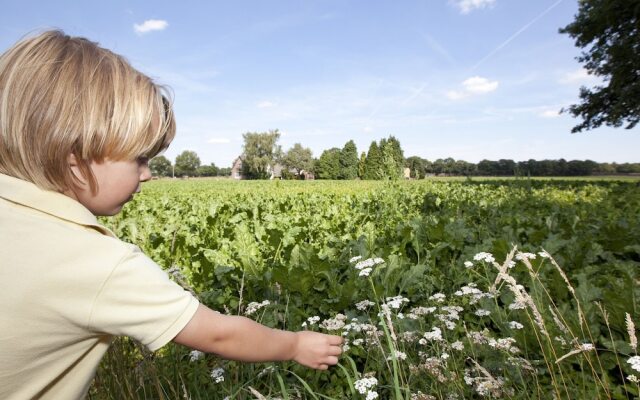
pixel 143 160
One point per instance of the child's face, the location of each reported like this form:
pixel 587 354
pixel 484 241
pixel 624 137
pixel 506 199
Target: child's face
pixel 117 182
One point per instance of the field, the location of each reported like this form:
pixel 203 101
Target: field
pixel 444 289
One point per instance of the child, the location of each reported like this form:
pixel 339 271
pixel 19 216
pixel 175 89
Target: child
pixel 77 127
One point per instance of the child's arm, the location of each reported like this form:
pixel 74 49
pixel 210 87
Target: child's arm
pixel 243 339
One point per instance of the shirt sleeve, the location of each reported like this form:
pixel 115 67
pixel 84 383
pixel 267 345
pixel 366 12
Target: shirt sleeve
pixel 140 301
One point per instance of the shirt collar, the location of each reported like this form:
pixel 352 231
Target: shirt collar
pixel 56 204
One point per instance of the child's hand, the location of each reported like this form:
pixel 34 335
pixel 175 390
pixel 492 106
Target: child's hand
pixel 317 350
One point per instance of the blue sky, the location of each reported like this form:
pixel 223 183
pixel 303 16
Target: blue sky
pixel 468 79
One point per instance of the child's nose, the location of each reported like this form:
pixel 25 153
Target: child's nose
pixel 145 174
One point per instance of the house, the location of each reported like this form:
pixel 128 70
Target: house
pixel 407 173
pixel 236 168
pixel 274 172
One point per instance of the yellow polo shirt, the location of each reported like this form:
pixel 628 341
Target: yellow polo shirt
pixel 67 287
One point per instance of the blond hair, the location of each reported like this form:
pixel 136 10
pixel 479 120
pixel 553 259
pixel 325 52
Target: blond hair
pixel 63 95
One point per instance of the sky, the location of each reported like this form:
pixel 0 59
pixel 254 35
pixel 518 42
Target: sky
pixel 467 79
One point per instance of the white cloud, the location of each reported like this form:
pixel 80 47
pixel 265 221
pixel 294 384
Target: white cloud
pixel 550 114
pixel 475 85
pixel 219 140
pixel 150 25
pixel 466 6
pixel 579 75
pixel 266 104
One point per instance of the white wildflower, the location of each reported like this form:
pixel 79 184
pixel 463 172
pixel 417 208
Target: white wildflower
pixel 633 378
pixel 311 320
pixel 482 313
pixel 335 323
pixel 354 259
pixel 416 312
pixel 468 264
pixel 358 342
pixel 457 345
pixel 362 305
pixel 634 362
pixel 587 347
pixel 371 395
pixel 438 297
pixel 515 325
pixel 396 302
pixel 365 385
pixel 544 254
pixel 195 355
pixel 217 374
pixel 444 356
pixel 398 355
pixel 482 256
pixel 255 306
pixel 365 272
pixel 525 256
pixel 434 335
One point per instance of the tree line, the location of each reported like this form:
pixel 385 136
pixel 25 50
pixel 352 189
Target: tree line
pixel 384 160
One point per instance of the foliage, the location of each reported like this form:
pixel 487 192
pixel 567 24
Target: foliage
pixel 207 170
pixel 187 163
pixel 362 165
pixel 160 166
pixel 291 243
pixel 349 161
pixel 609 31
pixel 328 165
pixel 260 153
pixel 298 159
pixel 373 166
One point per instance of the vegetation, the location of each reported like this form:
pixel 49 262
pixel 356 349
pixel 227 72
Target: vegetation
pixel 260 153
pixel 609 31
pixel 187 163
pixel 521 289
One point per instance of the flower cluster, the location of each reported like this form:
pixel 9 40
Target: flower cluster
pixel 311 321
pixel 365 386
pixel 255 306
pixel 486 257
pixel 217 374
pixel 366 266
pixel 634 362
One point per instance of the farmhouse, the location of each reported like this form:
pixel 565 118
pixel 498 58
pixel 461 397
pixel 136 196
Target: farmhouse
pixel 275 172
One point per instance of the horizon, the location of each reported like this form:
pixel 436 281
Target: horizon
pixel 461 79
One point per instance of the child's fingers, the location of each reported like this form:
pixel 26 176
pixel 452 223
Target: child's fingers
pixel 332 360
pixel 335 340
pixel 335 351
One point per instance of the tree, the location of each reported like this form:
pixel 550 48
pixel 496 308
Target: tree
pixel 362 165
pixel 610 34
pixel 397 153
pixel 373 164
pixel 390 168
pixel 298 158
pixel 207 170
pixel 160 166
pixel 328 165
pixel 261 152
pixel 349 161
pixel 417 167
pixel 187 163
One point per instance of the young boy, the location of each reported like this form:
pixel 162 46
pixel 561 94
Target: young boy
pixel 77 127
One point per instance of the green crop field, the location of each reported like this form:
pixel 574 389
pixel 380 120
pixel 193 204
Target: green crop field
pixel 443 289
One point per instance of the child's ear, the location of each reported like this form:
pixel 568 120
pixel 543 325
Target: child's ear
pixel 73 162
pixel 75 168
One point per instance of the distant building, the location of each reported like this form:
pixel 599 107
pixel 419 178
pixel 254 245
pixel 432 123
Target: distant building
pixel 274 172
pixel 407 173
pixel 236 168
